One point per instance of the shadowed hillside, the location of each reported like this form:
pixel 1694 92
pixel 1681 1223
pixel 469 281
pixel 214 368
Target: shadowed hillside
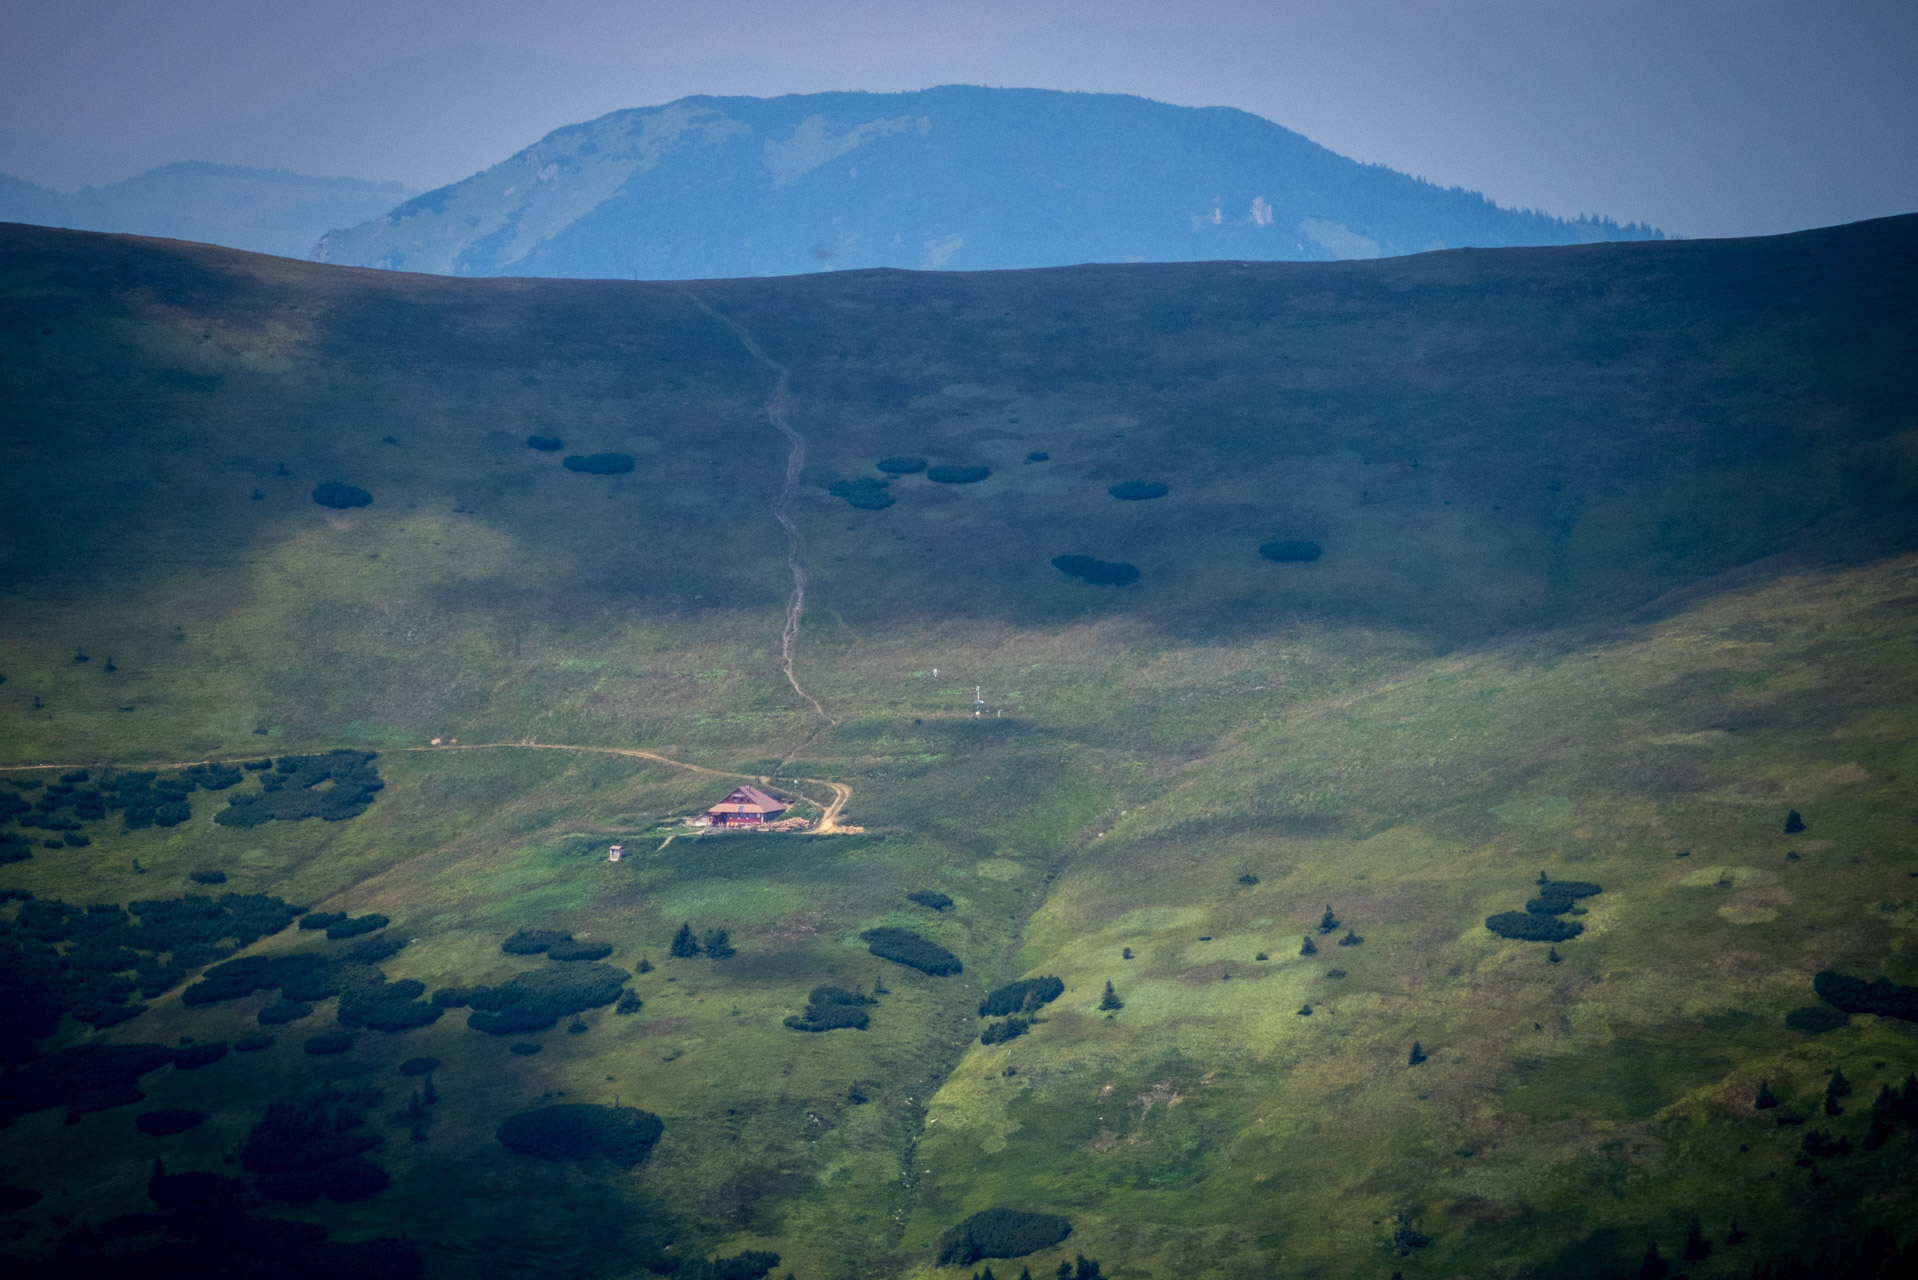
pixel 1320 614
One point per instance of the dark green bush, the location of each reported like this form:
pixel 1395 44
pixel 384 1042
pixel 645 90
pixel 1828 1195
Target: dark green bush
pixel 1007 1029
pixel 1526 927
pixel 281 1012
pixel 930 900
pixel 1288 552
pixel 831 1009
pixel 207 877
pixel 340 496
pixel 957 475
pixel 580 1131
pixel 355 926
pixel 340 1181
pixel 865 493
pixel 89 1077
pixel 717 945
pixel 321 919
pixel 1000 1233
pixel 253 1044
pixel 193 1057
pixel 1022 996
pixel 13 1199
pixel 387 1006
pixel 328 1043
pixel 418 1066
pixel 902 946
pixel 600 464
pixel 1099 573
pixel 571 951
pixel 902 466
pixel 524 1049
pixel 168 1121
pixel 684 944
pixel 545 444
pixel 1854 995
pixel 1816 1019
pixel 1139 490
pixel 530 942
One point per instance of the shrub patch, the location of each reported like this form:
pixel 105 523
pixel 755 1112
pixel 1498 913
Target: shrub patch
pixel 902 946
pixel 600 464
pixel 1000 1233
pixel 341 496
pixel 1289 552
pixel 1139 490
pixel 957 475
pixel 1100 573
pixel 579 1131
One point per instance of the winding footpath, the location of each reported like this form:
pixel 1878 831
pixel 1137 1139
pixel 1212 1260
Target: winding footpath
pixel 782 505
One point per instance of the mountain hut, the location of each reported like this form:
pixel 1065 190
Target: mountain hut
pixel 745 807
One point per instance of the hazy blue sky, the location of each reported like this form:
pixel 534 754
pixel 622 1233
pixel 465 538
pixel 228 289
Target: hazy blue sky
pixel 1704 117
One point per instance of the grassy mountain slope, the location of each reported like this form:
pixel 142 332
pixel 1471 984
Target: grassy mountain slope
pixel 958 176
pixel 262 210
pixel 1615 567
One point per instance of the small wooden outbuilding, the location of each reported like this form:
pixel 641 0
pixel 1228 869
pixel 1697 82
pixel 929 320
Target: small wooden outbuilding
pixel 745 807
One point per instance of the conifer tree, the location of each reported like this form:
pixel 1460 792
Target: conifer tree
pixel 1793 823
pixel 1766 1099
pixel 1328 921
pixel 1737 1235
pixel 431 1094
pixel 1553 957
pixel 718 945
pixel 1697 1247
pixel 1418 1054
pixel 1110 1000
pixel 1654 1267
pixel 1839 1087
pixel 156 1179
pixel 684 944
pixel 1309 949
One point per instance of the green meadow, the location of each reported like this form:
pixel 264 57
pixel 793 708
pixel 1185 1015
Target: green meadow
pixel 1616 571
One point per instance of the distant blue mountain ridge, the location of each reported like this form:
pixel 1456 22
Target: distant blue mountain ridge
pixel 958 177
pixel 265 210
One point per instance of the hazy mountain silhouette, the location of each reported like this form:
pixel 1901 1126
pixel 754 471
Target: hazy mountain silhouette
pixel 265 210
pixel 956 177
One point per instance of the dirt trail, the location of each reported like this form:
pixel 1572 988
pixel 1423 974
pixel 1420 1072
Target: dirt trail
pixel 829 811
pixel 782 505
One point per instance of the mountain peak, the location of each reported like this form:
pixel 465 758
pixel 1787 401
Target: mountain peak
pixel 958 176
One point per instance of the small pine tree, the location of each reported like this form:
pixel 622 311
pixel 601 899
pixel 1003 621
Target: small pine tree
pixel 1542 879
pixel 645 965
pixel 1553 957
pixel 1065 1271
pixel 1654 1267
pixel 1837 1088
pixel 1110 1000
pixel 1088 1269
pixel 1125 953
pixel 1328 922
pixel 718 945
pixel 1025 1273
pixel 1793 823
pixel 1697 1247
pixel 1736 1235
pixel 684 943
pixel 156 1179
pixel 1766 1099
pixel 1309 949
pixel 1418 1054
pixel 430 1093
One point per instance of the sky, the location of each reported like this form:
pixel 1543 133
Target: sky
pixel 1701 117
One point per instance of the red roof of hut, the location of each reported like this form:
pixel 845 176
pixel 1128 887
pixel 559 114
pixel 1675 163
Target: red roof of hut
pixel 748 802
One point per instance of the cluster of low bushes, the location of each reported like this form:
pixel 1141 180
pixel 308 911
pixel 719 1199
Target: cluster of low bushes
pixel 1099 573
pixel 1000 1233
pixel 579 1131
pixel 167 1121
pixel 95 962
pixel 87 1077
pixel 305 1150
pixel 957 475
pixel 545 444
pixel 832 1009
pixel 535 1001
pixel 930 899
pixel 752 1264
pixel 1539 921
pixel 600 464
pixel 556 945
pixel 1883 997
pixel 1291 552
pixel 902 946
pixel 293 790
pixel 902 466
pixel 144 798
pixel 1139 490
pixel 1027 995
pixel 686 944
pixel 341 496
pixel 367 998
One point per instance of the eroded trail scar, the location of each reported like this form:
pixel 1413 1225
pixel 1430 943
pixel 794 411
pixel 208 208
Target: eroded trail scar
pixel 782 506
